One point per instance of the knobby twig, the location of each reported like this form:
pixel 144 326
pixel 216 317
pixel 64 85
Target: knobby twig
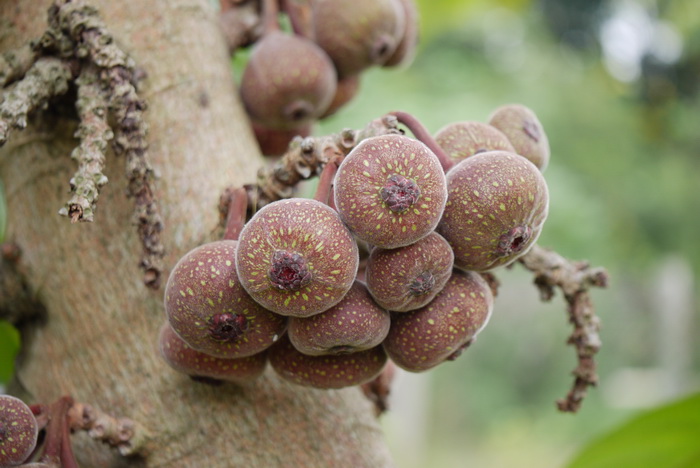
pixel 574 279
pixel 46 78
pixel 306 157
pixel 94 134
pixel 77 44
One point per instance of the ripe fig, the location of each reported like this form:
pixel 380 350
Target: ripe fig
pixel 498 202
pixel 354 324
pixel 525 132
pixel 183 358
pixel 18 431
pixel 210 310
pixel 390 191
pixel 296 258
pixel 460 140
pixel 275 142
pixel 409 277
pixel 329 371
pixel 423 338
pixel 357 34
pixel 288 81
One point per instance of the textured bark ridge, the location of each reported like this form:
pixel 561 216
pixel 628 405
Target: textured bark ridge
pixel 99 341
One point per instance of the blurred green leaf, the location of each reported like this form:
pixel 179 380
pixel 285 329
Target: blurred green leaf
pixel 9 346
pixel 665 437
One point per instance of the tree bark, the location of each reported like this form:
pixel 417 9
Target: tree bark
pixel 99 341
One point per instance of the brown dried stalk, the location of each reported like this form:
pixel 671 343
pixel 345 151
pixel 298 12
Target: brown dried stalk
pixel 574 279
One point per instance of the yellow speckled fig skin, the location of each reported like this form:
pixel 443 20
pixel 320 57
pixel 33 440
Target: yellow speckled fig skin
pixel 18 431
pixel 310 232
pixel 525 132
pixel 288 81
pixel 183 358
pixel 354 324
pixel 329 371
pixel 357 34
pixel 497 204
pixel 367 170
pixel 460 140
pixel 204 285
pixel 409 277
pixel 422 339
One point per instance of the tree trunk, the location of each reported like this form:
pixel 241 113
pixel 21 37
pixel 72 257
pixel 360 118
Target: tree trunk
pixel 99 342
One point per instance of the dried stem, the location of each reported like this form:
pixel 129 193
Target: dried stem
pixel 94 134
pixel 129 437
pixel 574 279
pixel 325 181
pixel 116 72
pixel 306 157
pixel 47 77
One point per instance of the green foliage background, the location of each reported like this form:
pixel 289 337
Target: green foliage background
pixel 624 182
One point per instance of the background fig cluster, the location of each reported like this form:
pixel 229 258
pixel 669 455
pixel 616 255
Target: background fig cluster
pixel 294 289
pixel 293 78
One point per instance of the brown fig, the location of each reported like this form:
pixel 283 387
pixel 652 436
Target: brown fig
pixel 329 371
pixel 210 310
pixel 409 277
pixel 390 191
pixel 423 338
pixel 288 81
pixel 525 132
pixel 357 34
pixel 460 140
pixel 296 257
pixel 354 324
pixel 498 202
pixel 183 358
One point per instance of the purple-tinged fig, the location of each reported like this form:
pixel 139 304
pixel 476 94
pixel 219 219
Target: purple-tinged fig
pixel 210 310
pixel 346 90
pixel 183 358
pixel 296 258
pixel 423 338
pixel 288 81
pixel 460 140
pixel 329 371
pixel 354 324
pixel 357 34
pixel 525 132
pixel 498 202
pixel 409 277
pixel 18 431
pixel 390 191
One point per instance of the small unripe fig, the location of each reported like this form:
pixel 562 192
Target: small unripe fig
pixel 406 50
pixel 18 431
pixel 525 132
pixel 390 191
pixel 409 277
pixel 423 338
pixel 288 81
pixel 354 324
pixel 460 140
pixel 357 34
pixel 183 358
pixel 296 257
pixel 498 202
pixel 208 307
pixel 329 371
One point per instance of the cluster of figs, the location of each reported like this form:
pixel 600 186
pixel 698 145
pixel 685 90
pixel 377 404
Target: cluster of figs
pixel 294 78
pixel 290 286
